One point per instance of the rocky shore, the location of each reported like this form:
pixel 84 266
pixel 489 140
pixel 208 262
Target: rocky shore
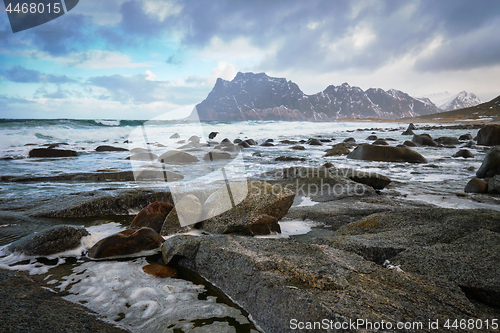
pixel 370 257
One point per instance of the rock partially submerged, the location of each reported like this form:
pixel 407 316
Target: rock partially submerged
pixel 375 180
pixel 424 140
pixel 489 135
pixel 491 164
pixel 257 214
pixel 51 152
pixel 50 241
pixel 369 152
pixel 177 157
pixel 126 242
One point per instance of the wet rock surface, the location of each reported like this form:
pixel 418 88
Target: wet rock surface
pixel 386 153
pixel 489 135
pixel 51 152
pixel 152 216
pixel 253 208
pixel 50 241
pixel 126 242
pixel 28 307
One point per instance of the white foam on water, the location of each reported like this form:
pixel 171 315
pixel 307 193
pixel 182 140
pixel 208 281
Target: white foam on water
pixel 306 202
pixel 291 228
pixel 132 299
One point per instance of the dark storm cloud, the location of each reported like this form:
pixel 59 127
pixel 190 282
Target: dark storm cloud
pixel 22 75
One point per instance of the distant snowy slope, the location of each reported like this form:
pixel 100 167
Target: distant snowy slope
pixel 447 102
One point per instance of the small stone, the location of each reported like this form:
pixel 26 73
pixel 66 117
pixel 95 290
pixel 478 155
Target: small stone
pixel 160 271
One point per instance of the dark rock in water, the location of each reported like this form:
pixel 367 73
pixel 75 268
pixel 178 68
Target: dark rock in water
pixel 298 147
pixel 489 135
pixel 126 242
pixel 257 154
pixel 160 271
pixel 269 140
pixel 337 151
pixel 289 159
pixel 380 142
pixel 110 148
pixel 152 216
pixel 50 241
pixel 328 165
pixel 325 140
pixel 212 135
pixel 288 142
pixel 244 144
pixel 410 144
pixel 350 140
pixel 409 130
pixel 251 142
pixel 186 212
pixel 465 137
pixel 175 136
pixel 216 156
pixel 375 180
pixel 424 140
pixel 447 140
pixel 372 137
pixel 177 157
pixel 259 207
pixel 51 152
pixel 314 142
pixel 267 144
pixel 494 185
pixel 465 153
pixel 226 141
pixel 236 141
pixel 143 157
pixel 491 164
pixel 476 185
pixel 369 152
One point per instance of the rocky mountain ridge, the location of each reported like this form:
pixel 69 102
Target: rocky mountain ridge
pixel 252 96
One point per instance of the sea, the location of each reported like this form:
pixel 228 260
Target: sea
pixel 118 290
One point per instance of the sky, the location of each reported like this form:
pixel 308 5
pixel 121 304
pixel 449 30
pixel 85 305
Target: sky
pixel 131 59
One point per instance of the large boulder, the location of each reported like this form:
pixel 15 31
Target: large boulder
pixel 491 164
pixel 314 142
pixel 257 214
pixel 369 152
pixel 424 140
pixel 489 135
pixel 177 157
pixel 151 157
pixel 152 216
pixel 216 156
pixel 126 242
pixel 186 212
pixel 50 241
pixel 282 282
pixel 465 137
pixel 51 152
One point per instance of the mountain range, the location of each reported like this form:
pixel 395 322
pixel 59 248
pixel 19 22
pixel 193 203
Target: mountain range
pixel 251 96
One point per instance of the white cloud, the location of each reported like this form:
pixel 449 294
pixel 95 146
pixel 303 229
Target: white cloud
pixel 150 76
pixel 91 59
pixel 224 70
pixel 161 9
